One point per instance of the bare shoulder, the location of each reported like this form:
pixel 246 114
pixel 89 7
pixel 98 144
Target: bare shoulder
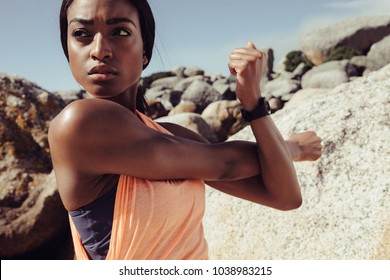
pixel 83 120
pixel 85 128
pixel 85 111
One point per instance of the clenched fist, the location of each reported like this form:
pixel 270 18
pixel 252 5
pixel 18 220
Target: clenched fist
pixel 249 65
pixel 305 146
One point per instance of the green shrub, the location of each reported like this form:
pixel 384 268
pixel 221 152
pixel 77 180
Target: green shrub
pixel 295 58
pixel 343 52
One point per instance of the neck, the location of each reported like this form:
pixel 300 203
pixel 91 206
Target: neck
pixel 127 99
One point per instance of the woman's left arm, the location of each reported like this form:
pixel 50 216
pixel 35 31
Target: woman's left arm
pixel 304 146
pixel 277 185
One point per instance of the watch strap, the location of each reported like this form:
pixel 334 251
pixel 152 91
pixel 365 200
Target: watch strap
pixel 262 109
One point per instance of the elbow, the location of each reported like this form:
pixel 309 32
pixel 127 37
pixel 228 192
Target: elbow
pixel 298 203
pixel 290 204
pixel 290 198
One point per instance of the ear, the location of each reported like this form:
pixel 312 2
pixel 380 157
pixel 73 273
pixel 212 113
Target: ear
pixel 145 60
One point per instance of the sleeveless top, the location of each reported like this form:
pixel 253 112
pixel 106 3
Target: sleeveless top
pixel 155 220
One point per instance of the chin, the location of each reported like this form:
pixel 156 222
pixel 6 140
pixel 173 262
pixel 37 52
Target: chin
pixel 101 91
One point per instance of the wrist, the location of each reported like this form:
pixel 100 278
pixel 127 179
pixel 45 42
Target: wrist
pixel 249 98
pixel 259 110
pixel 294 149
pixel 250 104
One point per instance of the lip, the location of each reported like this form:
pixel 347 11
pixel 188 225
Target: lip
pixel 102 72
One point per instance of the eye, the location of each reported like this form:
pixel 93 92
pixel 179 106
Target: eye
pixel 121 32
pixel 79 33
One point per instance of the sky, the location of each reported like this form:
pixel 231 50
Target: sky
pixel 198 33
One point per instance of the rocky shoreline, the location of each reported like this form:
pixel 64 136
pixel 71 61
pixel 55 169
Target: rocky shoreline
pixel 302 91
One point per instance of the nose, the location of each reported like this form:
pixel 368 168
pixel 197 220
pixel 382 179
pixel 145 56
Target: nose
pixel 101 48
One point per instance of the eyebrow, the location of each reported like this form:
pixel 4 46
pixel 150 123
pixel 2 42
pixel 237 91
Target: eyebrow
pixel 111 21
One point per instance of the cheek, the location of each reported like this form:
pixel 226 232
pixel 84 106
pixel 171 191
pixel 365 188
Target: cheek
pixel 133 62
pixel 75 61
pixel 133 52
pixel 71 48
pixel 74 68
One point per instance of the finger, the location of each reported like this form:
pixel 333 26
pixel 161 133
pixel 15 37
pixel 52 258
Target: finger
pixel 251 45
pixel 243 56
pixel 237 66
pixel 253 52
pixel 232 69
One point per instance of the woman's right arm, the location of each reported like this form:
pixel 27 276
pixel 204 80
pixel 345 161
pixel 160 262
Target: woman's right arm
pixel 95 137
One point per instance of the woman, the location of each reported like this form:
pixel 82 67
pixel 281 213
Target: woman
pixel 134 188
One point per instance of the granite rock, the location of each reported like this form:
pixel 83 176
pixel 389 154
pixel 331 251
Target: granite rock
pixel 346 193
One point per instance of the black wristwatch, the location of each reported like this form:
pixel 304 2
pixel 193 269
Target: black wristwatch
pixel 262 109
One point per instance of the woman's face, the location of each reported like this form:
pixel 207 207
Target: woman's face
pixel 105 46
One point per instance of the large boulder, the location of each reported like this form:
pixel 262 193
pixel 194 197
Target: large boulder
pixel 40 221
pixel 346 193
pixel 193 71
pixel 31 212
pixel 329 75
pixel 185 83
pixel 202 94
pixel 379 55
pixel 224 118
pixel 358 33
pixel 168 82
pixel 280 87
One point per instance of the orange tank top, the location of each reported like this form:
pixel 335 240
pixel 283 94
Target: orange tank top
pixel 155 220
